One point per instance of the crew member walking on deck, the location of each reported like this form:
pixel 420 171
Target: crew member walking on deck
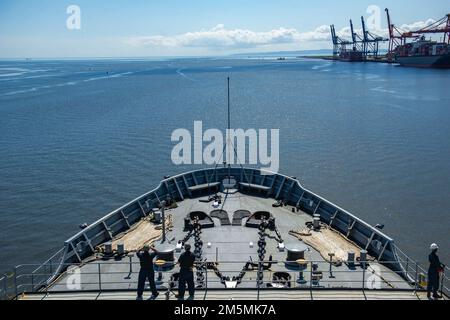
pixel 146 272
pixel 434 272
pixel 186 261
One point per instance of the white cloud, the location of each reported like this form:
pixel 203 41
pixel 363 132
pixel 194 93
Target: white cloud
pixel 321 33
pixel 417 25
pixel 220 37
pixel 384 32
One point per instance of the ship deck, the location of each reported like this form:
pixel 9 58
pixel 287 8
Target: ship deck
pixel 229 247
pixel 242 295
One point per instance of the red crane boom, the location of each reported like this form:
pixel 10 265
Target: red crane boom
pixel 440 26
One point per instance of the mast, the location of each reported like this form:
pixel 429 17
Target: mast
pixel 229 130
pixel 229 121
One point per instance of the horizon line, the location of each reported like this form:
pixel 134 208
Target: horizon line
pixel 162 57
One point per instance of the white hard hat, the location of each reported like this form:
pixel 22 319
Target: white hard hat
pixel 434 246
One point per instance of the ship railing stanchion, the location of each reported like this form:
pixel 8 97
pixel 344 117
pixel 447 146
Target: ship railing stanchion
pixel 407 267
pixel 206 283
pixel 442 283
pixel 5 287
pixel 416 277
pixel 46 289
pixel 32 281
pixel 99 277
pixel 131 265
pixel 311 276
pixel 364 276
pixel 130 272
pixel 16 291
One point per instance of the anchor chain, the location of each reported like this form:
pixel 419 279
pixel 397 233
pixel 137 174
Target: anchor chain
pixel 198 253
pixel 262 250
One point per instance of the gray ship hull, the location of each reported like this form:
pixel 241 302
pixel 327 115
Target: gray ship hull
pixel 442 61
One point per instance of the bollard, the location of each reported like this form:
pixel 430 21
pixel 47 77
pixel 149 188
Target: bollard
pixel 363 258
pixel 351 259
pixel 316 224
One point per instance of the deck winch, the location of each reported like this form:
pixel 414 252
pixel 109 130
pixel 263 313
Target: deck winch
pixel 166 252
pixel 295 252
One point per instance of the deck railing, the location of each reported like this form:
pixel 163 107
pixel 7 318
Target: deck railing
pixel 30 278
pixel 99 276
pixel 412 269
pixel 3 288
pixel 446 282
pixel 416 273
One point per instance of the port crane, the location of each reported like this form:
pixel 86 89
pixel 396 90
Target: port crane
pixel 397 37
pixel 440 26
pixel 368 43
pixel 339 44
pixel 358 42
pixel 371 42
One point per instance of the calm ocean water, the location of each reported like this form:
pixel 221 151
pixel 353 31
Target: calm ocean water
pixel 78 139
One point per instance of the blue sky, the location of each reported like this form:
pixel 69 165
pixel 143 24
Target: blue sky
pixel 114 28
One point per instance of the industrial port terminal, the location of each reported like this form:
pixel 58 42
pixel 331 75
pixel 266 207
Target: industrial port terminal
pixel 407 48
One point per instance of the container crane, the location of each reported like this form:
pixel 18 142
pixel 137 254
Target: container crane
pixel 371 42
pixel 397 37
pixel 339 44
pixel 422 52
pixel 440 26
pixel 358 42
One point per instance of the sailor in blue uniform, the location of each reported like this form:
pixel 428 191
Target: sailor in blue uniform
pixel 146 272
pixel 433 272
pixel 186 262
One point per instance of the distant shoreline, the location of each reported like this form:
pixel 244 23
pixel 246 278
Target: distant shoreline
pixel 332 58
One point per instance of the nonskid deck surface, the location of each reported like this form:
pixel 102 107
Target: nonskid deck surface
pixel 243 295
pixel 230 247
